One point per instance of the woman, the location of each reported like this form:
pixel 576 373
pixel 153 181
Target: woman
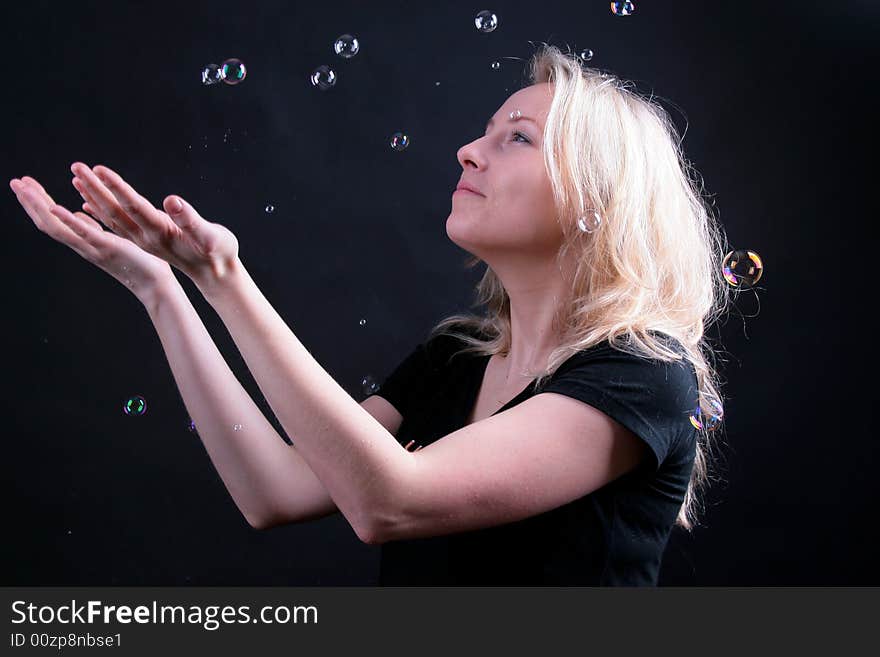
pixel 563 452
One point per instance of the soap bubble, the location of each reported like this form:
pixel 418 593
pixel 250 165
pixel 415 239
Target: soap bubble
pixel 270 209
pixel 586 55
pixel 192 426
pixel 742 268
pixel 589 222
pixel 233 71
pixel 622 8
pixel 712 419
pixel 136 405
pixel 211 74
pixel 399 141
pixel 323 77
pixel 486 21
pixel 496 65
pixel 362 322
pixel 236 427
pixel 346 46
pixel 369 385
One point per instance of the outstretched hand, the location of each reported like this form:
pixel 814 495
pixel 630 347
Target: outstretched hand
pixel 201 249
pixel 125 261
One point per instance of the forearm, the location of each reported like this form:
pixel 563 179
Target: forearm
pixel 358 461
pixel 252 459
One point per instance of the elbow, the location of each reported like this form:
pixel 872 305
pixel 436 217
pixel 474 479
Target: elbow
pixel 375 528
pixel 258 522
pixel 370 536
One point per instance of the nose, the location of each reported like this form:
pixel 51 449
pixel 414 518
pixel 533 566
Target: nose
pixel 470 154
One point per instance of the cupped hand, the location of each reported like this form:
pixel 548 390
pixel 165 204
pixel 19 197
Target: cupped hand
pixel 201 249
pixel 138 270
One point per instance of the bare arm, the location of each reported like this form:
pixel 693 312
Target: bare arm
pixel 257 467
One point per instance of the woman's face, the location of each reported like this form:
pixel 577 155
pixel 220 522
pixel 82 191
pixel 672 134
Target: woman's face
pixel 514 212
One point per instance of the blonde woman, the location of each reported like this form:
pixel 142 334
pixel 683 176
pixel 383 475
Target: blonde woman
pixel 548 441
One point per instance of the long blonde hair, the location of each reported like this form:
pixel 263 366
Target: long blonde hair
pixel 653 264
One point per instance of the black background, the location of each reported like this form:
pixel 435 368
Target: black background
pixel 96 497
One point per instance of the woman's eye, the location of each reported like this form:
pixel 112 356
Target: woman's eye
pixel 519 134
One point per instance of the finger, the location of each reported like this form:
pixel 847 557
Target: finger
pixel 34 204
pixel 87 219
pixel 90 205
pixel 33 181
pixel 37 207
pixel 136 206
pixel 87 234
pixel 105 204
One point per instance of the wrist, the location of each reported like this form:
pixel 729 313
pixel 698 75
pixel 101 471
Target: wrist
pixel 159 291
pixel 221 279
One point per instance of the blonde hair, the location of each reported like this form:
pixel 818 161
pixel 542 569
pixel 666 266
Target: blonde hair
pixel 653 264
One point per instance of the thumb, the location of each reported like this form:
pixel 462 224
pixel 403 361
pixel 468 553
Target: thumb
pixel 181 212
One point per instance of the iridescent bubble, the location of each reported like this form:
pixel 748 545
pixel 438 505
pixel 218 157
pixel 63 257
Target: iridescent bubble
pixel 622 8
pixel 589 222
pixel 346 46
pixel 211 74
pixel 742 268
pixel 136 405
pixel 192 426
pixel 399 141
pixel 712 418
pixel 323 77
pixel 586 55
pixel 236 427
pixel 362 322
pixel 495 65
pixel 515 114
pixel 233 71
pixel 486 21
pixel 270 209
pixel 369 386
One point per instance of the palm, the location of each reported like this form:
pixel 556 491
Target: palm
pixel 119 257
pixel 199 248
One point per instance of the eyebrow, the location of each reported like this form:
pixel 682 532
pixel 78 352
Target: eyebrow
pixel 519 118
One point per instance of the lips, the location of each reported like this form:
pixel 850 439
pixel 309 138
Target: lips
pixel 468 188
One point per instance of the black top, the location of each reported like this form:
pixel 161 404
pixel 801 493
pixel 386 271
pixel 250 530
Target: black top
pixel 613 536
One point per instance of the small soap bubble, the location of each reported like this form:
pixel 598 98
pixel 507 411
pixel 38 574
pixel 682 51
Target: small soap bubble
pixel 495 65
pixel 586 55
pixel 236 427
pixel 436 84
pixel 399 141
pixel 515 114
pixel 232 71
pixel 323 77
pixel 712 419
pixel 270 209
pixel 742 268
pixel 211 74
pixel 192 426
pixel 362 322
pixel 622 8
pixel 136 405
pixel 69 532
pixel 369 385
pixel 346 46
pixel 589 222
pixel 486 21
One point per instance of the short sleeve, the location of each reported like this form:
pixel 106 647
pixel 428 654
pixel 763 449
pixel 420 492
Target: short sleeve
pixel 651 398
pixel 402 385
